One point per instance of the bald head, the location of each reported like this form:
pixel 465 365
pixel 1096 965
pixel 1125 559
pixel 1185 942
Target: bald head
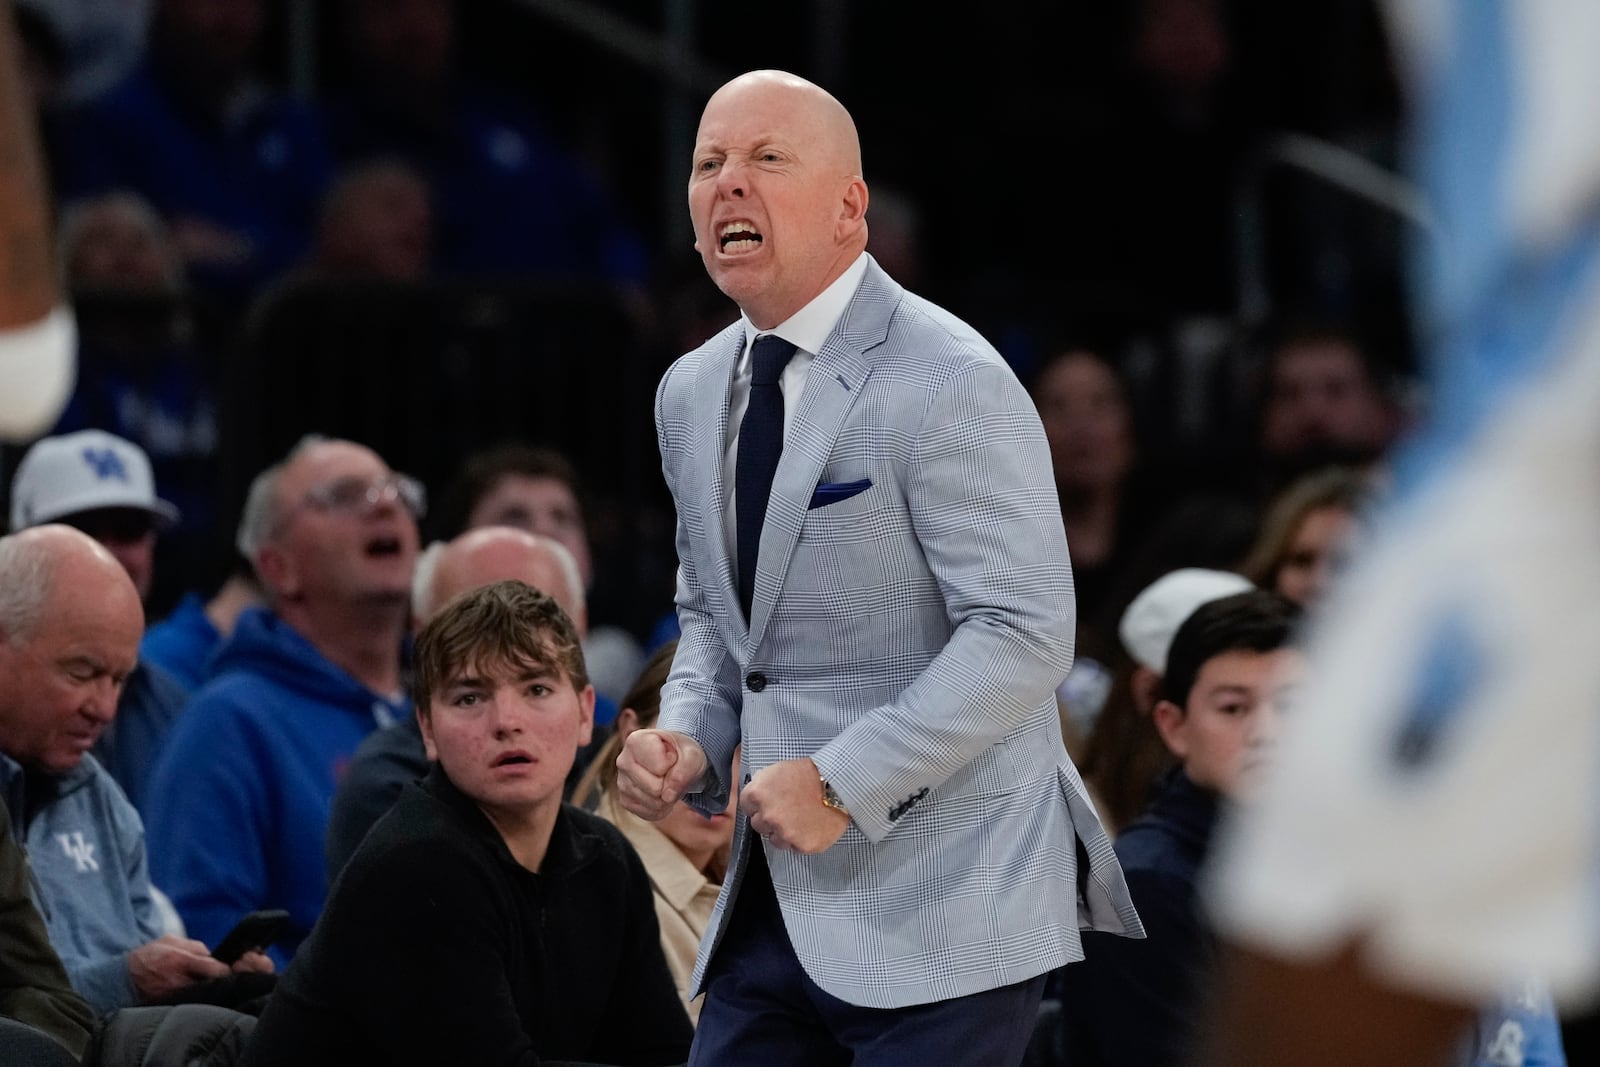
pixel 776 193
pixel 40 565
pixel 70 623
pixel 815 112
pixel 494 553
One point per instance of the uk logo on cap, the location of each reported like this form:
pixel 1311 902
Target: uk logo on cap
pixel 106 464
pixel 84 471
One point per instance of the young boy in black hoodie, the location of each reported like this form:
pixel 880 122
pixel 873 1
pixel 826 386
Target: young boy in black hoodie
pixel 1229 673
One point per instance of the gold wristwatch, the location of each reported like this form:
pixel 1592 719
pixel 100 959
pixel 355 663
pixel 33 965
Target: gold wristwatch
pixel 831 798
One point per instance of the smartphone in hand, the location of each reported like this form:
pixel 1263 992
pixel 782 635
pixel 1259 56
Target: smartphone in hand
pixel 253 933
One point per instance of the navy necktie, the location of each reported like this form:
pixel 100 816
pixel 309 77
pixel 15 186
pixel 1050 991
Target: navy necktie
pixel 760 443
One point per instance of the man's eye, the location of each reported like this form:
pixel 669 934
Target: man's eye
pixel 343 494
pixel 705 165
pixel 538 689
pixel 466 700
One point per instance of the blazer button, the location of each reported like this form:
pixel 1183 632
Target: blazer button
pixel 756 681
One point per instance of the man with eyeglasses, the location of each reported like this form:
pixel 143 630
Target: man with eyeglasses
pixel 244 789
pixel 101 484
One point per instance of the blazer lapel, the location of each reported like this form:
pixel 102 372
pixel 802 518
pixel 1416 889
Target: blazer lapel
pixel 833 383
pixel 713 383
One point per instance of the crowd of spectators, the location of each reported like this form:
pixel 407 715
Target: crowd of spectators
pixel 197 192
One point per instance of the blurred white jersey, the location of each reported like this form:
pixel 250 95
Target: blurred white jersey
pixel 1437 794
pixel 38 365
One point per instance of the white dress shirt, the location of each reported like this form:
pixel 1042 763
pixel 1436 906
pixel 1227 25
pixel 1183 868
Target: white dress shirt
pixel 806 329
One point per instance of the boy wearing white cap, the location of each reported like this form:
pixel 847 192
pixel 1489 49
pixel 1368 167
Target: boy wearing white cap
pixel 1227 671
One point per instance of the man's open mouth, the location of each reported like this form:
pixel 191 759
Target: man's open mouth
pixel 739 237
pixel 380 547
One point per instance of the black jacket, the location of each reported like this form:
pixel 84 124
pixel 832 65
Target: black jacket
pixel 1133 1003
pixel 33 983
pixel 437 947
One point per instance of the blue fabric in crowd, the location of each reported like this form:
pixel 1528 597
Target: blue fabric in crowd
pixel 158 398
pixel 183 643
pixel 260 171
pixel 152 699
pixel 507 198
pixel 241 796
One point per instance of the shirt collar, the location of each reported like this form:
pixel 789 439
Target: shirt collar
pixel 809 327
pixel 669 870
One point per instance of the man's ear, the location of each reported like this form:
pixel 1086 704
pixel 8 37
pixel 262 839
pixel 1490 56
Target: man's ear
pixel 1172 724
pixel 275 571
pixel 853 208
pixel 425 721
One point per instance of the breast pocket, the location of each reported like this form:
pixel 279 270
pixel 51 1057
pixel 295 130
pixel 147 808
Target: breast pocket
pixel 828 494
pixel 849 511
pixel 857 542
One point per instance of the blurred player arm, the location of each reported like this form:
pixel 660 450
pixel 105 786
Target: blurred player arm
pixel 37 335
pixel 1272 1012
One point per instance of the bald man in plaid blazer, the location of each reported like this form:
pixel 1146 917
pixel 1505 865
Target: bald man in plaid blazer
pixel 914 848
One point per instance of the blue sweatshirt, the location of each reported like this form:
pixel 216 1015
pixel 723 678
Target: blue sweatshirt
pixel 91 880
pixel 183 643
pixel 151 702
pixel 239 802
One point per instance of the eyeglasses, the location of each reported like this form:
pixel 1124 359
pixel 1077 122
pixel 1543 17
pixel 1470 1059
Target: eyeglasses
pixel 353 496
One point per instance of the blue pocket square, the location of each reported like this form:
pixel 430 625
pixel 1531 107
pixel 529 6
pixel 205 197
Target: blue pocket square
pixel 833 492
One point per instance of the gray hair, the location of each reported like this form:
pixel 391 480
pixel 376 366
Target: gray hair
pixel 425 600
pixel 422 580
pixel 262 510
pixel 569 569
pixel 26 569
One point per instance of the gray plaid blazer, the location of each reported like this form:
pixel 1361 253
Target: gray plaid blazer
pixel 912 616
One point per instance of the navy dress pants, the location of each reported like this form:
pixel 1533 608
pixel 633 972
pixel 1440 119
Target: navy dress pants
pixel 761 1009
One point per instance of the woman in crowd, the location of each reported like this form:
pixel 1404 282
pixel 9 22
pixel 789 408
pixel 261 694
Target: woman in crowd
pixel 685 854
pixel 1307 533
pixel 1087 420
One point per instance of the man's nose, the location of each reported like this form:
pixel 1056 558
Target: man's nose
pixel 384 499
pixel 1264 728
pixel 1321 576
pixel 731 181
pixel 101 705
pixel 505 716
